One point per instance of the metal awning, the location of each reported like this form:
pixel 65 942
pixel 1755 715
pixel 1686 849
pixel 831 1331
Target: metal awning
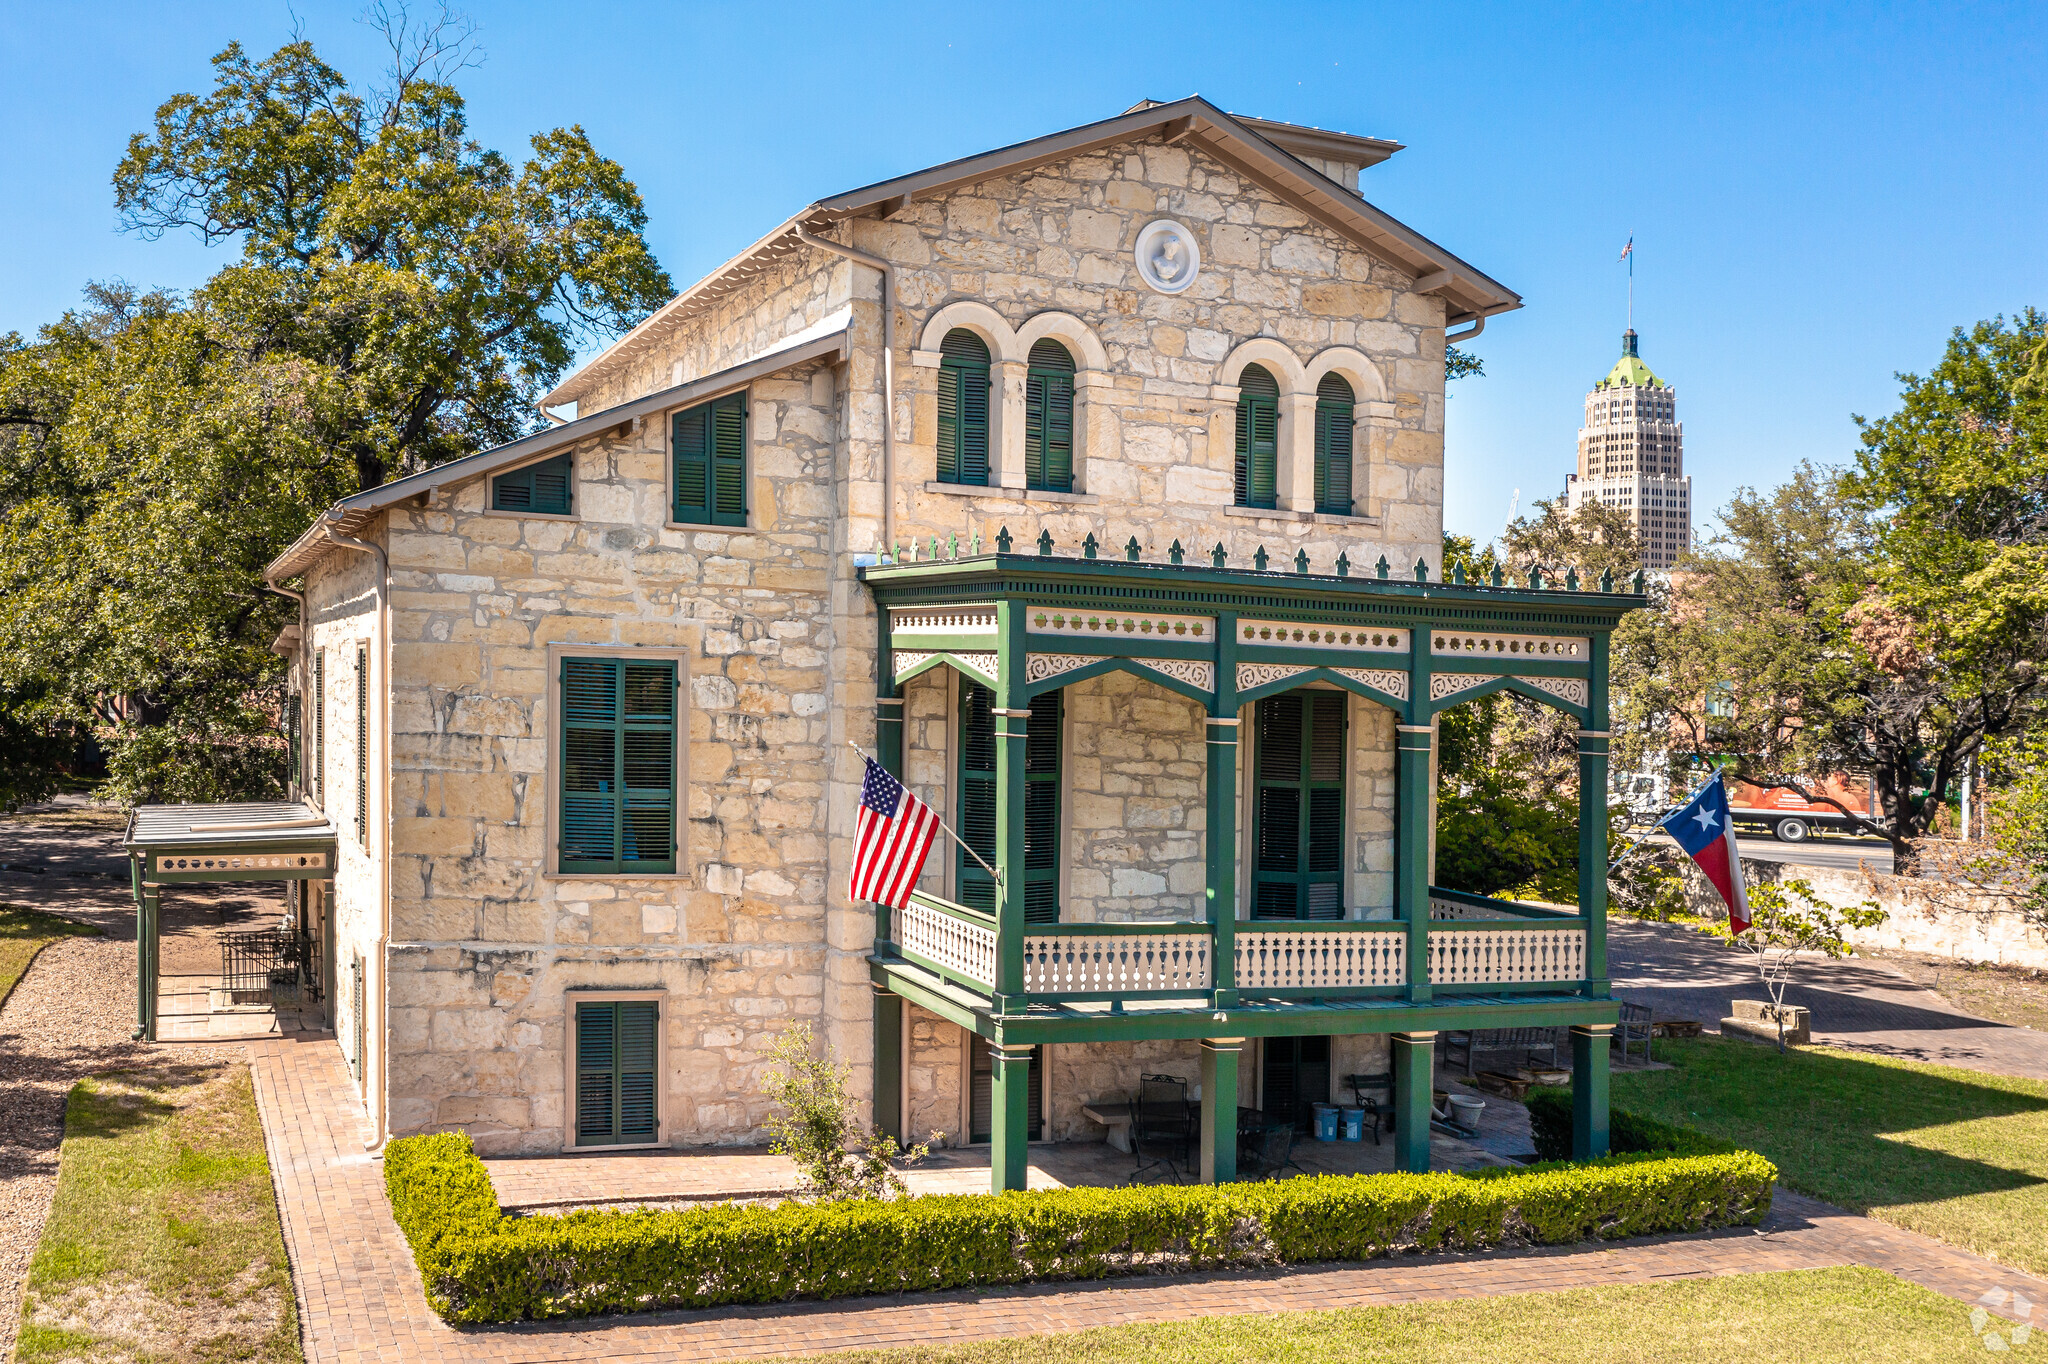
pixel 259 841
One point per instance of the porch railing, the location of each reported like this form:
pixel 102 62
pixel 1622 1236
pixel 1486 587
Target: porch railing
pixel 1118 959
pixel 954 939
pixel 1330 957
pixel 1508 953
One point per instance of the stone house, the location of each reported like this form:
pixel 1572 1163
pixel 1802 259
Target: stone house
pixel 582 710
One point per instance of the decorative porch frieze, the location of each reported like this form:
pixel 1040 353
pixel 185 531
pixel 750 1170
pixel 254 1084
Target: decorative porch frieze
pixel 1195 672
pixel 1122 624
pixel 1303 635
pixel 1392 681
pixel 910 660
pixel 1038 667
pixel 942 620
pixel 1450 684
pixel 1251 675
pixel 1452 643
pixel 1572 689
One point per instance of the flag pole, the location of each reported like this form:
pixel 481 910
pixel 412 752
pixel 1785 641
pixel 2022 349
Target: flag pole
pixel 935 816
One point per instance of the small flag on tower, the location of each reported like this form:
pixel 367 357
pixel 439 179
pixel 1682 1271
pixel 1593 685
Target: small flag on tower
pixel 892 837
pixel 1626 251
pixel 1703 828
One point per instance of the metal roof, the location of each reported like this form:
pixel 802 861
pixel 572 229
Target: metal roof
pixel 254 824
pixel 1256 148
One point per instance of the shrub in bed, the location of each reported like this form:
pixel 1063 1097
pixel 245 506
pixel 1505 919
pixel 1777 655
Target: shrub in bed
pixel 480 1266
pixel 1550 1123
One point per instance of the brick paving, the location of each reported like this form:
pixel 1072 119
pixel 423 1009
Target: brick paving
pixel 360 1300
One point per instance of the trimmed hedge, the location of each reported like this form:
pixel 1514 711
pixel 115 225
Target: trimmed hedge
pixel 481 1266
pixel 1550 1122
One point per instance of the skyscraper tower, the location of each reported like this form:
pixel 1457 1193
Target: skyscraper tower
pixel 1632 457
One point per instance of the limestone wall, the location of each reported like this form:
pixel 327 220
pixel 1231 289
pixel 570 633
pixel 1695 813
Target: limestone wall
pixel 488 937
pixel 1136 805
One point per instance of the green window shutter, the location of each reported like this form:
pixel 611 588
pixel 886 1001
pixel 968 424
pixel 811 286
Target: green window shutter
pixel 1049 419
pixel 1299 807
pixel 1334 416
pixel 963 408
pixel 597 1071
pixel 293 745
pixel 729 460
pixel 618 797
pixel 320 727
pixel 1258 444
pixel 543 487
pixel 363 747
pixel 617 1082
pixel 1041 870
pixel 690 440
pixel 637 1049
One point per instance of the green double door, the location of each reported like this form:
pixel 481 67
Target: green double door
pixel 1297 1077
pixel 981 1089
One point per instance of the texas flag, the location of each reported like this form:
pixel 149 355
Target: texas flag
pixel 1703 829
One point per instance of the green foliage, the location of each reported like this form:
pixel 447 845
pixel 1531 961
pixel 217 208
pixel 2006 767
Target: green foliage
pixel 1628 1134
pixel 1459 364
pixel 2017 808
pixel 1787 920
pixel 1592 539
pixel 586 1263
pixel 1494 834
pixel 402 296
pixel 817 1129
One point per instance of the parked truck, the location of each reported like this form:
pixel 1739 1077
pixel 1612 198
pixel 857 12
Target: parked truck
pixel 1790 817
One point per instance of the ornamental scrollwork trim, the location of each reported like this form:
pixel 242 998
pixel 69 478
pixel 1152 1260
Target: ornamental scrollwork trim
pixel 1572 689
pixel 1392 681
pixel 1196 673
pixel 909 661
pixel 1038 667
pixel 1450 684
pixel 1251 675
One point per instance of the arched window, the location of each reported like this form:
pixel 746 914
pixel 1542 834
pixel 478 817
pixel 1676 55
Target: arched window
pixel 963 408
pixel 1258 443
pixel 1049 418
pixel 1334 402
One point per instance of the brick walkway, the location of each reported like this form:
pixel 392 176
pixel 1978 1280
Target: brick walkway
pixel 360 1299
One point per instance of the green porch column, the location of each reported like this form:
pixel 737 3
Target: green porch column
pixel 148 938
pixel 1219 1108
pixel 1593 744
pixel 1415 750
pixel 888 744
pixel 141 948
pixel 1012 715
pixel 1590 1049
pixel 1221 835
pixel 1414 1072
pixel 889 1063
pixel 1011 1102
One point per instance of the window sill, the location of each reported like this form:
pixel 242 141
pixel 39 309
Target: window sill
pixel 615 876
pixel 531 515
pixel 708 527
pixel 1014 494
pixel 1314 518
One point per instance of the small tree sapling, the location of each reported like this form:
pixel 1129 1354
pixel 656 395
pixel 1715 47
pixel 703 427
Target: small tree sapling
pixel 1786 919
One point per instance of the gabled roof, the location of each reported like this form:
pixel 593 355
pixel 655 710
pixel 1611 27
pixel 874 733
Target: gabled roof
pixel 352 514
pixel 1256 148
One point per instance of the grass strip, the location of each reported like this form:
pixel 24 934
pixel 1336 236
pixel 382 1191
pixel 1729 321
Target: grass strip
pixel 1957 1154
pixel 1793 1317
pixel 25 932
pixel 163 1241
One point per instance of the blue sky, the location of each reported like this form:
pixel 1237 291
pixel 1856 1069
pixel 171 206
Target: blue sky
pixel 1817 194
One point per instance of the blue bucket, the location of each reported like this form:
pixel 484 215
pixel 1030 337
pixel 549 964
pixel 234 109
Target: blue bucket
pixel 1326 1121
pixel 1354 1124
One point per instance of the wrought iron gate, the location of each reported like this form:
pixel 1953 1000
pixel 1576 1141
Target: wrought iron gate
pixel 276 962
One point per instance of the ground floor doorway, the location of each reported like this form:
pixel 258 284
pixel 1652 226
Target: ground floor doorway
pixel 981 1093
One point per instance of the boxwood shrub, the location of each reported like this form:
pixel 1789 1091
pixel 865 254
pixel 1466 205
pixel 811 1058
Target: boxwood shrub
pixel 479 1265
pixel 1550 1123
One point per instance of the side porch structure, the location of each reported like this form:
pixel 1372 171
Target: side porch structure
pixel 1024 624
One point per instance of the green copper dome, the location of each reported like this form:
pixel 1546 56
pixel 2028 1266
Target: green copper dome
pixel 1630 371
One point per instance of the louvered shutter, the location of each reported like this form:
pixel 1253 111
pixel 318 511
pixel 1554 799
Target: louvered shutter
pixel 977 795
pixel 1258 445
pixel 637 1022
pixel 542 487
pixel 1041 870
pixel 363 747
pixel 1296 1079
pixel 729 460
pixel 1299 811
pixel 1049 419
pixel 691 441
pixel 320 728
pixel 963 408
pixel 597 1071
pixel 618 797
pixel 981 1095
pixel 1334 417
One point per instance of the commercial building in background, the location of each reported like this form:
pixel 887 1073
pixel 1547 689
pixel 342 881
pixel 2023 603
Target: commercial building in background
pixel 1632 457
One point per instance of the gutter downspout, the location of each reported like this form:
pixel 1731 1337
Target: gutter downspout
pixel 1478 326
pixel 542 409
pixel 380 1129
pixel 888 376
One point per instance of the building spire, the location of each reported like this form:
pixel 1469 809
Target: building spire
pixel 1628 342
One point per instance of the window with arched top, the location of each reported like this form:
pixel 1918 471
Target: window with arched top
pixel 1258 438
pixel 963 408
pixel 1334 407
pixel 1049 418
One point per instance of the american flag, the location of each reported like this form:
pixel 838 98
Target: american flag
pixel 1626 251
pixel 892 837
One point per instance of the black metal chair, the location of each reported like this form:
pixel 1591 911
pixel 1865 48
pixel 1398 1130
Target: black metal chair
pixel 1150 1155
pixel 1270 1151
pixel 1159 1123
pixel 1381 1111
pixel 1638 1024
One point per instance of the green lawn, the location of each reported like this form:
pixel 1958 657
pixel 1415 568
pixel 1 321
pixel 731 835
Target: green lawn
pixel 1957 1154
pixel 1755 1318
pixel 163 1242
pixel 25 932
